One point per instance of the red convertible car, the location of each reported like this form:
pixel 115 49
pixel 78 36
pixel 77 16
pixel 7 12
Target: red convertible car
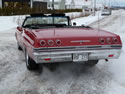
pixel 52 39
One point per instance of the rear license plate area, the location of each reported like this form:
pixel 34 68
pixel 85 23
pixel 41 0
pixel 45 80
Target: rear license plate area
pixel 79 57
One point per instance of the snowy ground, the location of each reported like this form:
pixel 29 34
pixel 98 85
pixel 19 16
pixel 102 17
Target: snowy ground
pixel 115 24
pixel 104 78
pixel 88 19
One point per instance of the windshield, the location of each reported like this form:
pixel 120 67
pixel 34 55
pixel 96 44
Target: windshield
pixel 46 21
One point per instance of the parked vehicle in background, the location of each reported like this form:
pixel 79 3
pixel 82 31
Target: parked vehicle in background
pixel 86 11
pixel 52 39
pixel 106 12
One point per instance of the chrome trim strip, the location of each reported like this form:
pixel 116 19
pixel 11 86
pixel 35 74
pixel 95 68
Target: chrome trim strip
pixel 80 41
pixel 63 56
pixel 91 47
pixel 79 46
pixel 77 51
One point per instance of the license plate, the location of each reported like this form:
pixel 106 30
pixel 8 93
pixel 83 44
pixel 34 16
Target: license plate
pixel 78 57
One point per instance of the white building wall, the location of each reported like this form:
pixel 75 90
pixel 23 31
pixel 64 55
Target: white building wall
pixel 78 4
pixel 62 4
pixel 58 4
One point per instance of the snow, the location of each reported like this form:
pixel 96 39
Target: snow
pixel 88 20
pixel 104 78
pixel 6 23
pixel 115 24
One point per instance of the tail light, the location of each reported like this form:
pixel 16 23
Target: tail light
pixel 42 42
pixel 102 40
pixel 115 40
pixel 110 55
pixel 108 40
pixel 58 42
pixel 50 42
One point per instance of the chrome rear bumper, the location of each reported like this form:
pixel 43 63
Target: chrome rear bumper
pixel 63 55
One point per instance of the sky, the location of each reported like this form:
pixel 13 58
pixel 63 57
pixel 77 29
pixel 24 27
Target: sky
pixel 113 2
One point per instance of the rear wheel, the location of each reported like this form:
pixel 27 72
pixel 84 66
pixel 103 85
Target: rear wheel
pixel 19 48
pixel 91 62
pixel 30 63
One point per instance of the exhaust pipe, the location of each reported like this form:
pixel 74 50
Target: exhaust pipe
pixel 106 60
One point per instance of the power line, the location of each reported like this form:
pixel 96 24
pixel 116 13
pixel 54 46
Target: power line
pixel 53 4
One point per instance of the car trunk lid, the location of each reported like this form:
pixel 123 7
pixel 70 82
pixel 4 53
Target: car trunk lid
pixel 72 36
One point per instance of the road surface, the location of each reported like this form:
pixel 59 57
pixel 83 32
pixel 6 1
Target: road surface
pixel 104 78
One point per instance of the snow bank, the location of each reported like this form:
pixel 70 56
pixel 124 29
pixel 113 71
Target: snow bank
pixel 88 20
pixel 6 23
pixel 74 15
pixel 115 24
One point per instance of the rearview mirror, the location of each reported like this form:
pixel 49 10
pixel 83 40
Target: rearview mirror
pixel 19 29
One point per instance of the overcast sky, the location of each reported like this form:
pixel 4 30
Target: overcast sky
pixel 113 2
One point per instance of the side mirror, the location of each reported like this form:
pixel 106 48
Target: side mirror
pixel 74 23
pixel 19 29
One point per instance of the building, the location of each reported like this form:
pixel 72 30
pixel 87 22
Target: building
pixel 24 3
pixel 78 4
pixel 47 4
pixel 70 4
pixel 42 4
pixel 58 4
pixel 0 3
pixel 14 3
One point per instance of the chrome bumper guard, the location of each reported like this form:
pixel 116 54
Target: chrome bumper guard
pixel 48 55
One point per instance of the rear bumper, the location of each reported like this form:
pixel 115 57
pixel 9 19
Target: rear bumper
pixel 67 56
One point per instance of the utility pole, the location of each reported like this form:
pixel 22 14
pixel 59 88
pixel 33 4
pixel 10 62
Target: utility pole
pixel 53 4
pixel 31 3
pixel 94 7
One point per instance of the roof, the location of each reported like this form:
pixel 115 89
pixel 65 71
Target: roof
pixel 55 0
pixel 78 2
pixel 82 2
pixel 41 0
pixel 68 2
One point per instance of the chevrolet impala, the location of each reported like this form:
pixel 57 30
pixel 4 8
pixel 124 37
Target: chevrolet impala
pixel 53 39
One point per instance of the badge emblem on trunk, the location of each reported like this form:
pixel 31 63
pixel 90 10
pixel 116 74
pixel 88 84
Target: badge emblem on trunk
pixel 80 41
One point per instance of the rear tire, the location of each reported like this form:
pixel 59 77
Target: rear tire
pixel 30 63
pixel 19 48
pixel 91 62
